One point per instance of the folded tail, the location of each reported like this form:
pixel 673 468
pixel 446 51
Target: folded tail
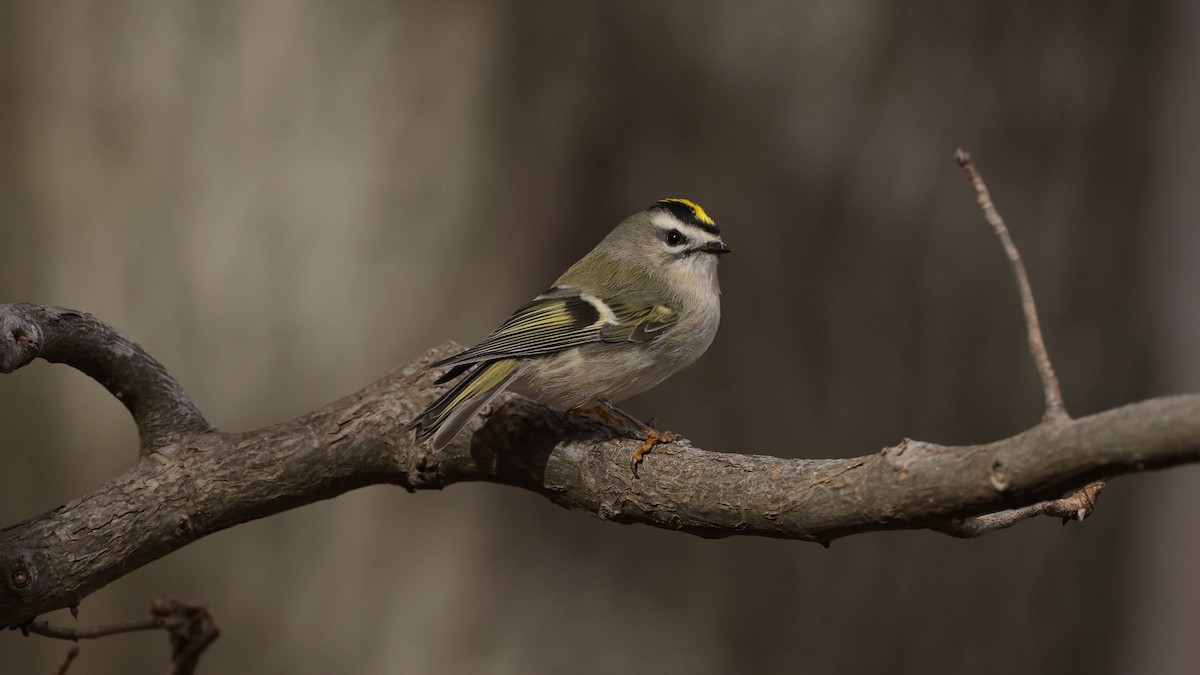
pixel 445 417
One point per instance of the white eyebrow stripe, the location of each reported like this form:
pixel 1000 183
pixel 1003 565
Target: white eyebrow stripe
pixel 668 222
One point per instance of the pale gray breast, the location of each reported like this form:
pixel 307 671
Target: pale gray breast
pixel 577 377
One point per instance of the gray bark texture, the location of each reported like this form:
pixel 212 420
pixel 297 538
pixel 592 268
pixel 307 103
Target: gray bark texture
pixel 193 480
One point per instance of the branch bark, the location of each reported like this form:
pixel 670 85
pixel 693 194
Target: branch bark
pixel 161 408
pixel 196 480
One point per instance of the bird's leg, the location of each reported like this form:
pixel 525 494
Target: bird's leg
pixel 650 435
pixel 601 413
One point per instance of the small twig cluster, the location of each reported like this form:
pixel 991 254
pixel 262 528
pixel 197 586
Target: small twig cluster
pixel 190 627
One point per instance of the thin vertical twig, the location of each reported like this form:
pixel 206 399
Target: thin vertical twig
pixel 72 653
pixel 1055 410
pixel 1080 504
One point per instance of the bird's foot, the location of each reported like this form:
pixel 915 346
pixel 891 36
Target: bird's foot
pixel 653 438
pixel 630 427
pixel 649 435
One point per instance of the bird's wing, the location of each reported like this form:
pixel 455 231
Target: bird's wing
pixel 639 323
pixel 562 318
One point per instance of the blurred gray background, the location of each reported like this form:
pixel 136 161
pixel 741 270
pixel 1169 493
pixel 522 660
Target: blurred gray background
pixel 284 200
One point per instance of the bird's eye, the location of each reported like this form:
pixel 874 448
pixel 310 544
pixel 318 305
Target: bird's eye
pixel 675 238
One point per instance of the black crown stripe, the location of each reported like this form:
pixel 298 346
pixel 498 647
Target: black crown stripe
pixel 688 212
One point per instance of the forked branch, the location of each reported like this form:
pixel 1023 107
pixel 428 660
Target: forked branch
pixel 1082 503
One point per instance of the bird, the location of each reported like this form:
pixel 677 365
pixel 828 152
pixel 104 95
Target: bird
pixel 640 306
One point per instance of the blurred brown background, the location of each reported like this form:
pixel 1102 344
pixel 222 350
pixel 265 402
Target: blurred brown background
pixel 284 200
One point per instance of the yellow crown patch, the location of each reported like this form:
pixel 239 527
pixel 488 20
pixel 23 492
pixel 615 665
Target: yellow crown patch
pixel 697 212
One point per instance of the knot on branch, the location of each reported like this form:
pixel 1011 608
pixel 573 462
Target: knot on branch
pixel 20 578
pixel 20 340
pixel 23 581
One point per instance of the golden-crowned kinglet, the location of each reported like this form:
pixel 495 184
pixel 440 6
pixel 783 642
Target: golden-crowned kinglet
pixel 640 306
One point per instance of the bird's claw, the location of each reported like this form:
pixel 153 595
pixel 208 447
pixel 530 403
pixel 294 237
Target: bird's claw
pixel 653 437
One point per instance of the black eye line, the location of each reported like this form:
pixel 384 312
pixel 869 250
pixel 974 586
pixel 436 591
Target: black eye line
pixel 675 238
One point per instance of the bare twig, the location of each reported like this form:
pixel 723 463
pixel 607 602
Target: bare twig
pixel 1075 507
pixel 1080 504
pixel 71 654
pixel 1055 410
pixel 190 627
pixel 44 629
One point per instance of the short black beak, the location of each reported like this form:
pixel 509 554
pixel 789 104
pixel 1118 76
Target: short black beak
pixel 716 248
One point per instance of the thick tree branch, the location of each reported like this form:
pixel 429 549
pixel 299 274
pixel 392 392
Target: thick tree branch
pixel 206 480
pixel 161 409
